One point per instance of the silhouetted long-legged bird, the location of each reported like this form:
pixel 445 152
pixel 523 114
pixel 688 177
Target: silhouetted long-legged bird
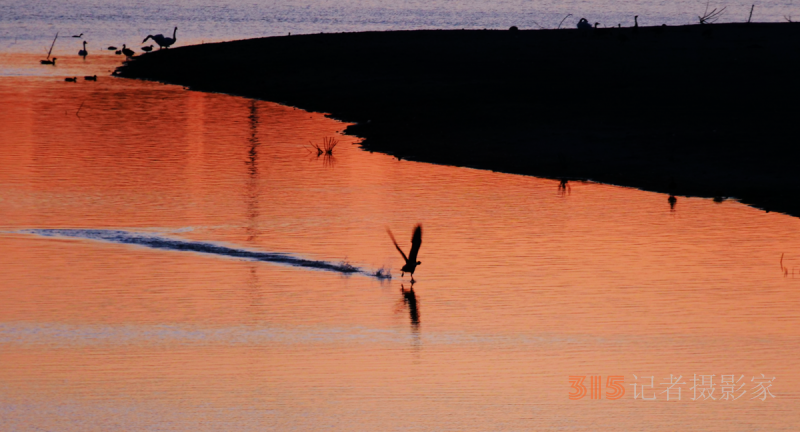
pixel 411 259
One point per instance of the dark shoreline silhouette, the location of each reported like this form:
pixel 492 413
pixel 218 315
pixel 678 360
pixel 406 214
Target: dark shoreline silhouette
pixel 696 110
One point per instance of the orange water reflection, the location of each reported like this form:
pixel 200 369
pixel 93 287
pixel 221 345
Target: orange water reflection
pixel 521 285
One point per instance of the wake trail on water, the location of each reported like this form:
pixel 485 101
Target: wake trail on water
pixel 159 242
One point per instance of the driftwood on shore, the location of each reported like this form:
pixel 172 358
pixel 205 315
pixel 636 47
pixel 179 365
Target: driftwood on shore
pixel 707 110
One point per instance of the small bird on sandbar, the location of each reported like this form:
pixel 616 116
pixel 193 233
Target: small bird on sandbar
pixel 411 260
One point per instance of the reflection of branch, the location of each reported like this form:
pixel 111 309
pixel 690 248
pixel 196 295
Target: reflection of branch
pixel 562 21
pixel 784 269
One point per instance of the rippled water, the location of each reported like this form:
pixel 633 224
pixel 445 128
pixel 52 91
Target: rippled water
pixel 157 266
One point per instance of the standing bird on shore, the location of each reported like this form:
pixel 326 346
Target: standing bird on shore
pixel 411 260
pixel 83 53
pixel 127 51
pixel 636 24
pixel 148 48
pixel 161 40
pixel 583 24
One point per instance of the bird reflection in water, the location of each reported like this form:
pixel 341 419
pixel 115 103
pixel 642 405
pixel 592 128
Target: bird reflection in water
pixel 672 201
pixel 410 301
pixel 563 188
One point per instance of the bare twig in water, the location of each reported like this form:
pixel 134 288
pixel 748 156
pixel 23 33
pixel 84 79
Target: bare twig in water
pixel 316 148
pixel 327 146
pixel 538 25
pixel 51 46
pixel 784 269
pixel 710 17
pixel 77 113
pixel 788 18
pixel 329 143
pixel 562 21
pixel 751 13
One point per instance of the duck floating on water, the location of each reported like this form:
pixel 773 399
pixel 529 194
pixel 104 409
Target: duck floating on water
pixel 83 53
pixel 49 62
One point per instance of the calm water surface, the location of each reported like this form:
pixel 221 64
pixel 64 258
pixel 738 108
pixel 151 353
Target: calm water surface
pixel 160 255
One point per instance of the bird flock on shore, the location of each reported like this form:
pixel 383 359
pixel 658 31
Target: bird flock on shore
pixel 160 40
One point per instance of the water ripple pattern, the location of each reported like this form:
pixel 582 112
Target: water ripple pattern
pixel 158 242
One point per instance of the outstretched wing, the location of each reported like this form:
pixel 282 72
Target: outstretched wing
pixel 395 245
pixel 416 242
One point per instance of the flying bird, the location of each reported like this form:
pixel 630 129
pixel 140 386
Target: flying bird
pixel 411 260
pixel 163 41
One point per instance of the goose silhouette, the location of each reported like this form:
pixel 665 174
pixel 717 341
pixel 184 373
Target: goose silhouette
pixel 411 260
pixel 83 53
pixel 127 51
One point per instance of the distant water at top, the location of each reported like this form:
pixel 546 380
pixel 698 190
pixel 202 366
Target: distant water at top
pixel 29 25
